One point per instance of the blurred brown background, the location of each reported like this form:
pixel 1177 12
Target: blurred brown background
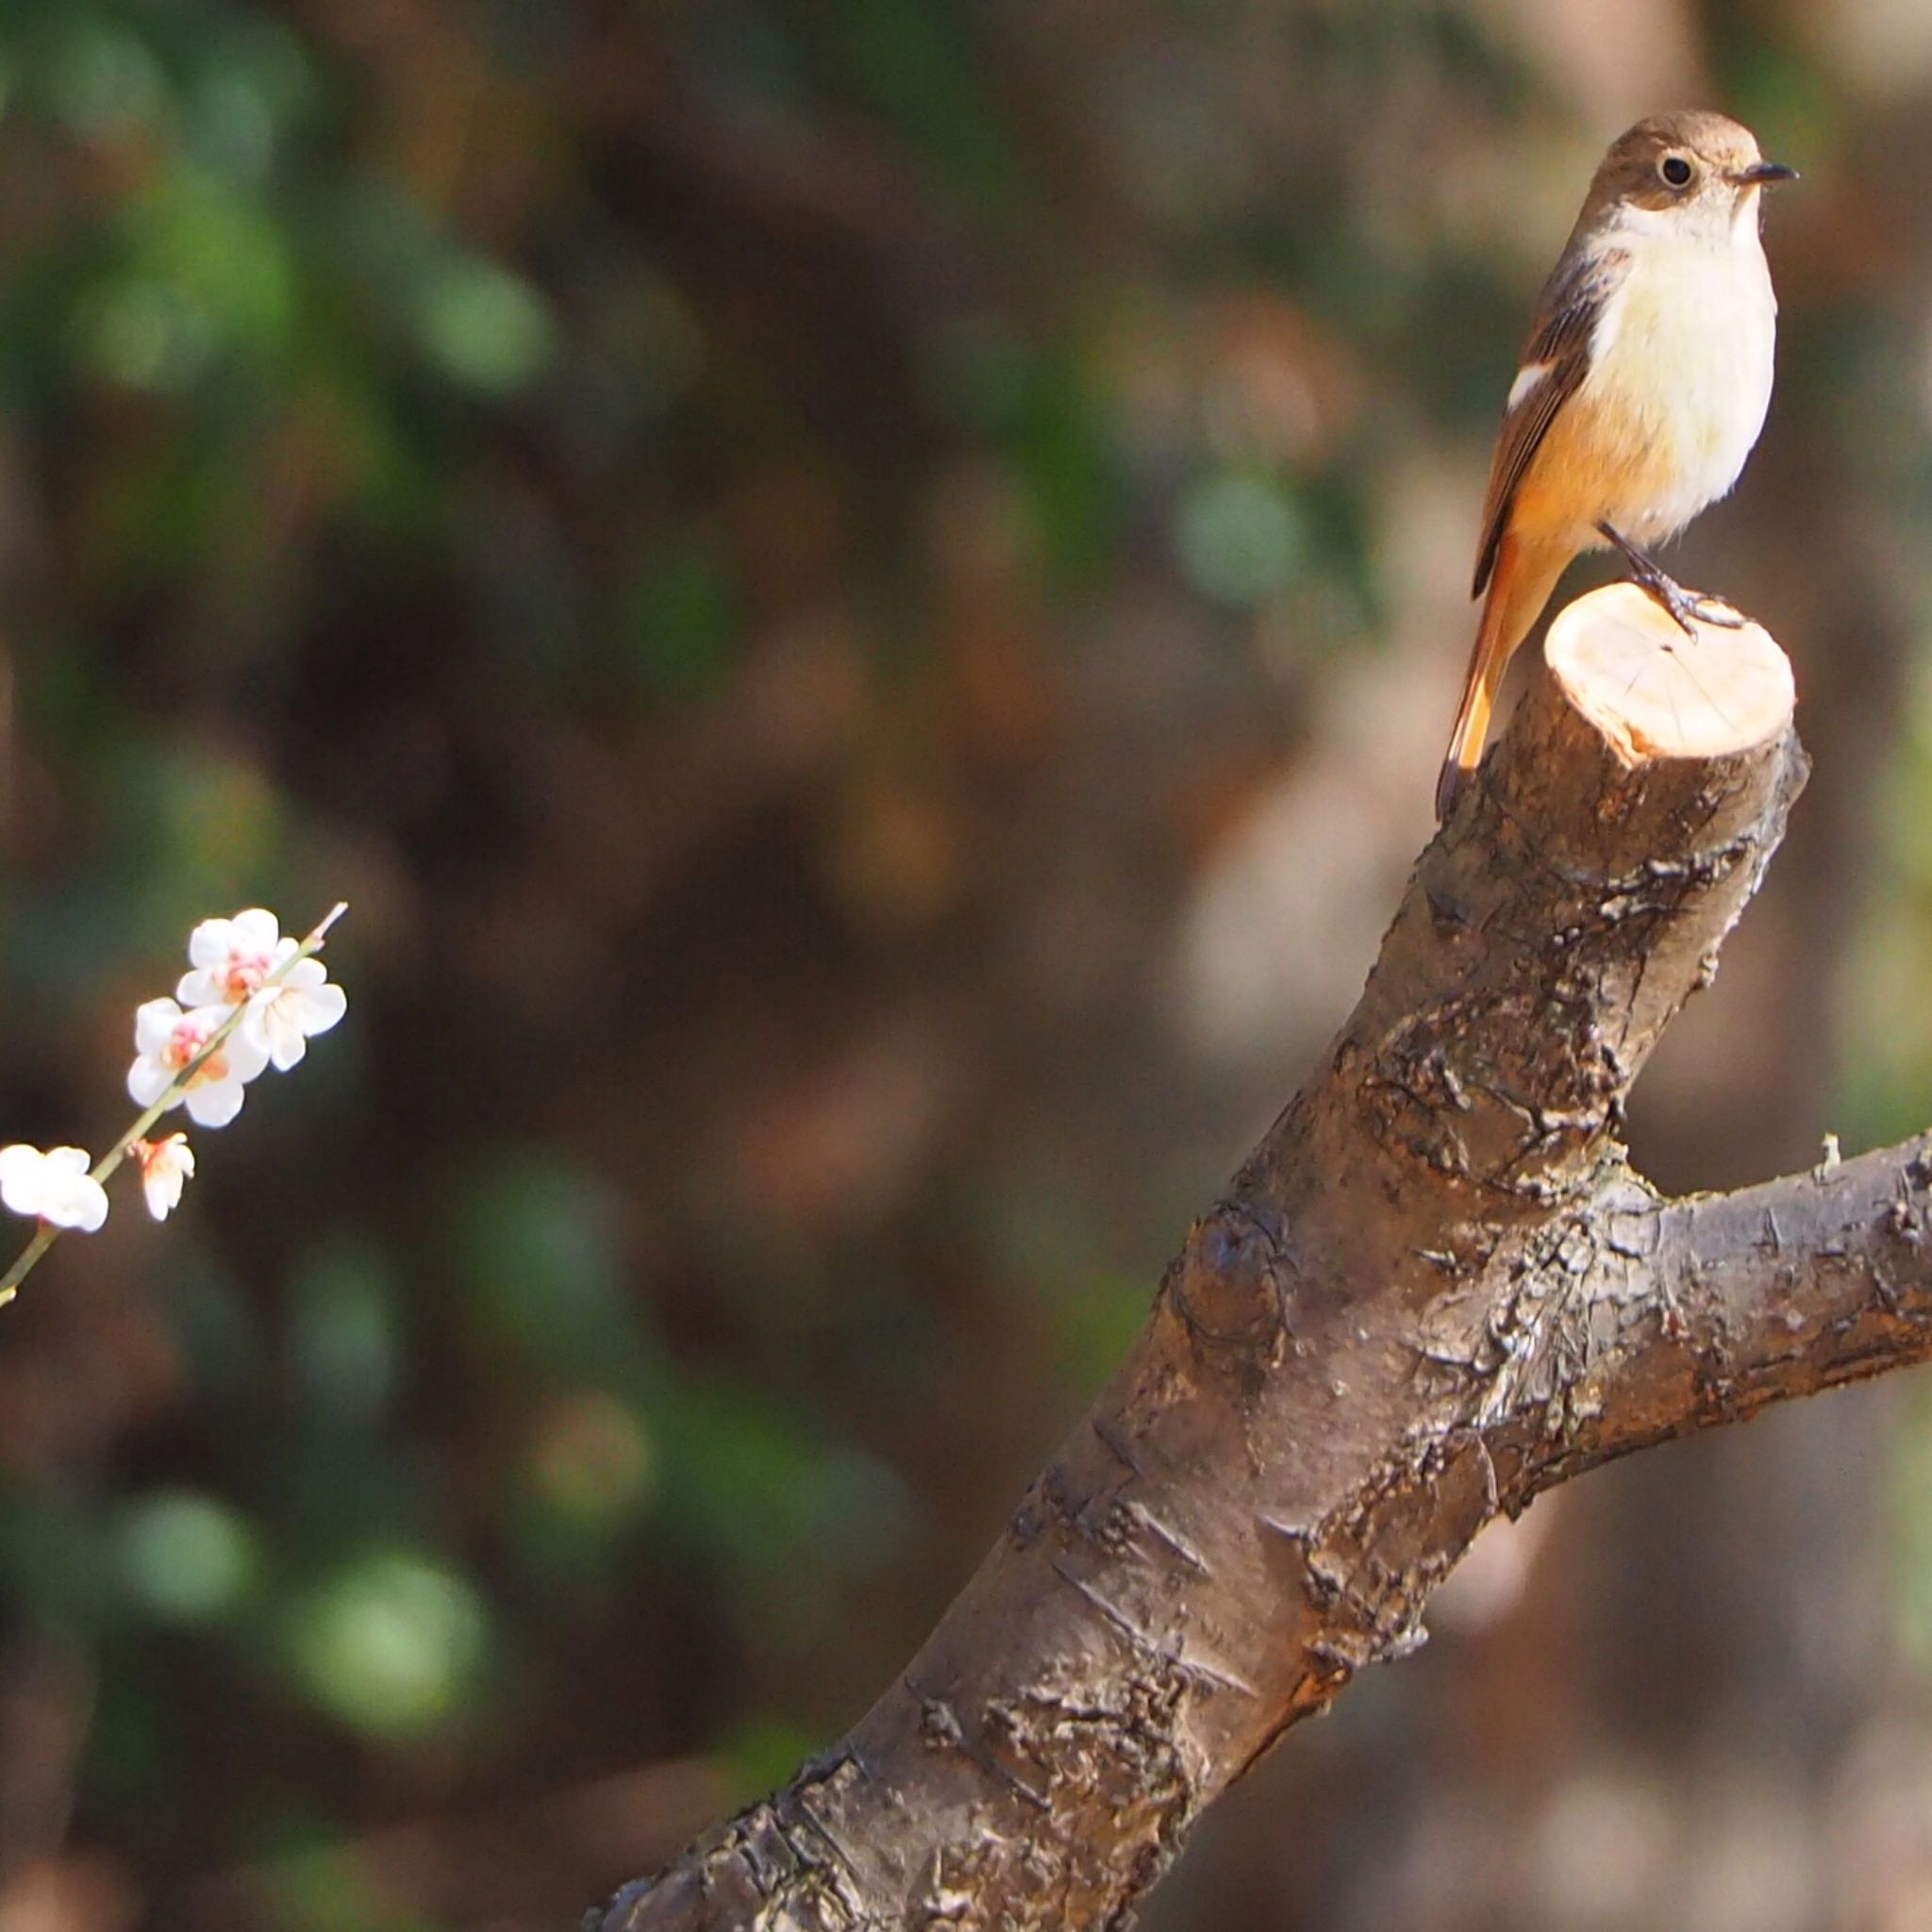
pixel 862 597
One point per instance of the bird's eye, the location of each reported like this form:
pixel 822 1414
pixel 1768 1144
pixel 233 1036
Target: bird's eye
pixel 1676 169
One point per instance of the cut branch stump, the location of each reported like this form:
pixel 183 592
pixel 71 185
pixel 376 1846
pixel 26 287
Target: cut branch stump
pixel 1435 1288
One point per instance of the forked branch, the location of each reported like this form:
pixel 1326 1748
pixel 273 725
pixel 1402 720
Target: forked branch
pixel 1435 1289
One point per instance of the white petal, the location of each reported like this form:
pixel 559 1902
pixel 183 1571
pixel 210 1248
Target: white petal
pixel 269 1026
pixel 281 1018
pixel 160 1187
pixel 165 1166
pixel 147 1080
pixel 23 1171
pixel 258 931
pixel 204 987
pixel 21 1157
pixel 209 945
pixel 214 1103
pixel 52 1187
pixel 78 1201
pixel 322 1006
pixel 154 1027
pixel 277 1030
pixel 247 1056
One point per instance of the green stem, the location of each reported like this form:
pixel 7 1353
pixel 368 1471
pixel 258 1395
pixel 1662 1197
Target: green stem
pixel 47 1234
pixel 44 1239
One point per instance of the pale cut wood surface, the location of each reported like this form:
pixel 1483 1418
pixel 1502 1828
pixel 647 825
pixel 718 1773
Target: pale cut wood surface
pixel 1654 692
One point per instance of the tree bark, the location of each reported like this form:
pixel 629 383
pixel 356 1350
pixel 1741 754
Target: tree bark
pixel 1435 1289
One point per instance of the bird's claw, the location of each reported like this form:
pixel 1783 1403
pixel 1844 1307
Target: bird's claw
pixel 1687 607
pixel 1692 607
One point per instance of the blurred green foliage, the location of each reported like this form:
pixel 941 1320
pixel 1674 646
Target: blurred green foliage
pixel 624 495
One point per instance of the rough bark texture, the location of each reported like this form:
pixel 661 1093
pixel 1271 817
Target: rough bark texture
pixel 1435 1288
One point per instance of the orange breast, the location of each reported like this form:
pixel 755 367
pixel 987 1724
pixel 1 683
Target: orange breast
pixel 1596 464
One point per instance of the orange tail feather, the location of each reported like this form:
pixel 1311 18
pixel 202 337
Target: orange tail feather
pixel 1518 589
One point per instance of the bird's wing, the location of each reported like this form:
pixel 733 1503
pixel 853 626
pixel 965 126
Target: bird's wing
pixel 1553 365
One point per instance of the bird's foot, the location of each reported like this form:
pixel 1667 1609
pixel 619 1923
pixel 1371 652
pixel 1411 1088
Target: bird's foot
pixel 1688 608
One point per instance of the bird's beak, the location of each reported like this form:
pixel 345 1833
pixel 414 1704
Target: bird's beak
pixel 1758 173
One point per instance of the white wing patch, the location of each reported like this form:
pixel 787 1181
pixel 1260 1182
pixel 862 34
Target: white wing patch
pixel 1526 379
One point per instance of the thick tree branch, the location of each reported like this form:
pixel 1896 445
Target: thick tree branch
pixel 1435 1289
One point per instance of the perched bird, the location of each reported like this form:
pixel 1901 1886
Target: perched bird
pixel 1643 387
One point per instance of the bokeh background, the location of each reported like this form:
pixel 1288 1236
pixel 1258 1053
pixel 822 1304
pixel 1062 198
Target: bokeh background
pixel 862 596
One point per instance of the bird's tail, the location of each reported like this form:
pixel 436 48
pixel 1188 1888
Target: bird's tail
pixel 1519 587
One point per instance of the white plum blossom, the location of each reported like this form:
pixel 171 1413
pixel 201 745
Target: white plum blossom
pixel 281 1018
pixel 247 960
pixel 53 1187
pixel 165 1166
pixel 166 1039
pixel 232 957
pixel 254 997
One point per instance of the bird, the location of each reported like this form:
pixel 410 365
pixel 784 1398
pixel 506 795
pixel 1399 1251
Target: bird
pixel 1642 389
